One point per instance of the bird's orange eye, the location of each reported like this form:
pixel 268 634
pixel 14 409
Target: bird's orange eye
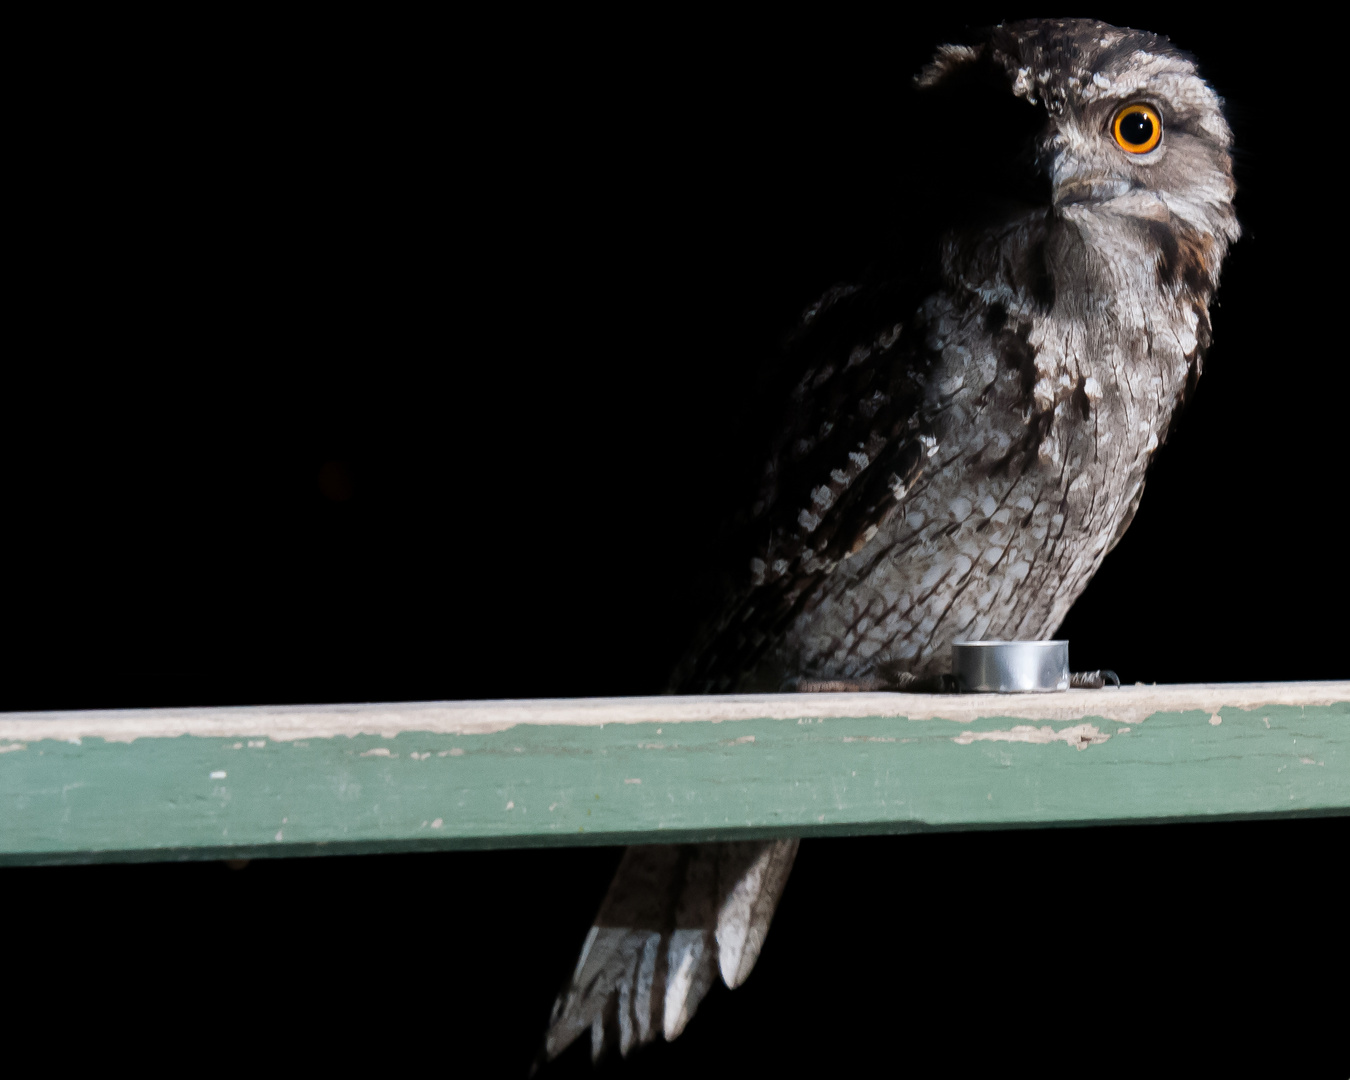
pixel 1137 128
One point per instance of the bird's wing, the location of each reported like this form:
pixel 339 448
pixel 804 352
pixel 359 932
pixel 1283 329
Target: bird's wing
pixel 674 916
pixel 858 429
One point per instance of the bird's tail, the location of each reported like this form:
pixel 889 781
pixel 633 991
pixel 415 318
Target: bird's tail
pixel 675 915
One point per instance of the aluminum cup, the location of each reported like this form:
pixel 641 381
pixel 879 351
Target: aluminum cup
pixel 1011 667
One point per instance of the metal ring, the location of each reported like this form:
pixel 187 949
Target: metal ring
pixel 1011 667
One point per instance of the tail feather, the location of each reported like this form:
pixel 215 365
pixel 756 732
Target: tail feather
pixel 690 966
pixel 689 976
pixel 674 915
pixel 642 999
pixel 631 922
pixel 758 874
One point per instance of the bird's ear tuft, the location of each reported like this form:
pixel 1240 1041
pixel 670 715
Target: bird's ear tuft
pixel 946 60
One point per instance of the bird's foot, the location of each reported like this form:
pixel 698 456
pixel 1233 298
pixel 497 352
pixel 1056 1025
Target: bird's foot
pixel 836 686
pixel 907 683
pixel 1093 680
pixel 895 682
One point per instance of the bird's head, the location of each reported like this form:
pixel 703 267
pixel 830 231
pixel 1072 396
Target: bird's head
pixel 1121 123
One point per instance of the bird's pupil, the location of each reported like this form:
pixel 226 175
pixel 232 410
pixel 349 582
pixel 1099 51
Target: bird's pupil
pixel 1136 128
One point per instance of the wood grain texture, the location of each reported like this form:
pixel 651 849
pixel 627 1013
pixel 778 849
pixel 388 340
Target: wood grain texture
pixel 210 783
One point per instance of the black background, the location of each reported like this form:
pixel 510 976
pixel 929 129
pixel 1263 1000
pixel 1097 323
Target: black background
pixel 411 360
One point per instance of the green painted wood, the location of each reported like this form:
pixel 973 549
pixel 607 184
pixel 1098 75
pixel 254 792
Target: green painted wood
pixel 544 783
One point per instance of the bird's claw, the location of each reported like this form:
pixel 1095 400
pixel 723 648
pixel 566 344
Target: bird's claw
pixel 899 682
pixel 1093 680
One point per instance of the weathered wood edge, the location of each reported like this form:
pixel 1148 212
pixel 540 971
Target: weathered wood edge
pixel 283 723
pixel 1153 791
pixel 615 839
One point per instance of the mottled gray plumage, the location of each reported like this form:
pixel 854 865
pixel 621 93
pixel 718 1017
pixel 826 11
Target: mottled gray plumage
pixel 675 917
pixel 963 446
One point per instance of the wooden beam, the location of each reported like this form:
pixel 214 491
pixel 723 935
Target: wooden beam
pixel 259 781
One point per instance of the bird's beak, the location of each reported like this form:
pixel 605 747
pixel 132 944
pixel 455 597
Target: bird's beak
pixel 1093 189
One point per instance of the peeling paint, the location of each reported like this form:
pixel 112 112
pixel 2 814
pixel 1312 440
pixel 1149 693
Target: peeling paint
pixel 1079 736
pixel 12 747
pixel 258 724
pixel 87 803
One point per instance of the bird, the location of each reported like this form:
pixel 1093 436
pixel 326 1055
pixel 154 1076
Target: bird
pixel 963 434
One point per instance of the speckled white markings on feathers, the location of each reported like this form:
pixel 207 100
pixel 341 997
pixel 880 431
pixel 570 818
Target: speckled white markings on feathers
pixel 966 436
pixel 1032 469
